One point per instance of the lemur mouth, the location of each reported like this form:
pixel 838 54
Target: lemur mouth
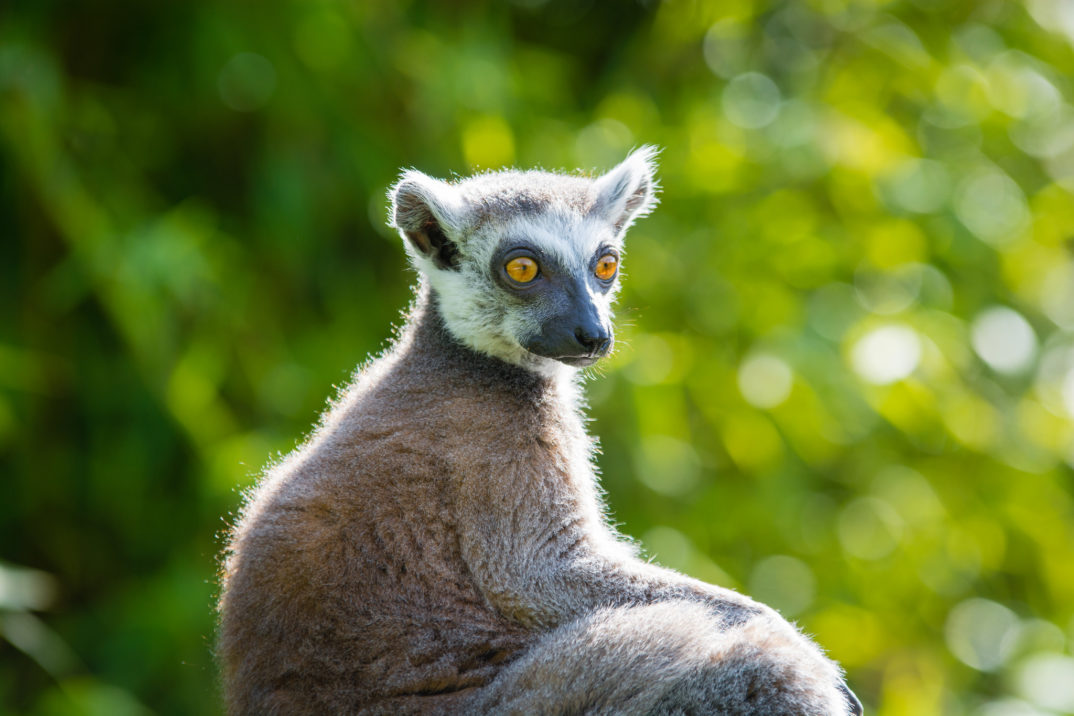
pixel 575 361
pixel 580 361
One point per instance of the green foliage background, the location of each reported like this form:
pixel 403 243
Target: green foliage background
pixel 847 374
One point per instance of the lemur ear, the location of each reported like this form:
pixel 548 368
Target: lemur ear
pixel 429 215
pixel 628 191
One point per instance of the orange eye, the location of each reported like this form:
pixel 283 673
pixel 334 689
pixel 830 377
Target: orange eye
pixel 607 266
pixel 522 269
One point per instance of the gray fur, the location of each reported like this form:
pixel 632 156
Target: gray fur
pixel 439 546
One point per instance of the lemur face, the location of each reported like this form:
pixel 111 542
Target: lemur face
pixel 525 265
pixel 562 290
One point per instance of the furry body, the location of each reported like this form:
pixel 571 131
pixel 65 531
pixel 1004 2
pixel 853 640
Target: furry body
pixel 438 546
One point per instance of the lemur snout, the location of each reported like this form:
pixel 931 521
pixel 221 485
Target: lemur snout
pixel 595 343
pixel 579 343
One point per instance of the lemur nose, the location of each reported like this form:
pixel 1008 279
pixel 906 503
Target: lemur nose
pixel 594 343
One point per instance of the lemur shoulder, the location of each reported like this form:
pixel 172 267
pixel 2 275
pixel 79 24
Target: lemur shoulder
pixel 438 545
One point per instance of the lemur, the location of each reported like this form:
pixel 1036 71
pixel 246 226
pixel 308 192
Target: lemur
pixel 439 546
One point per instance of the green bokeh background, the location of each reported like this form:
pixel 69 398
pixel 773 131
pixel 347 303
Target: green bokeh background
pixel 846 377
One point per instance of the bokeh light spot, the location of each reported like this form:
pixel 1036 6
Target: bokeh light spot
pixel 1017 89
pixel 886 354
pixel 764 380
pixel 1048 681
pixel 981 633
pixel 910 494
pixel 1004 339
pixel 726 48
pixel 992 207
pixel 1054 16
pixel 22 588
pixel 751 100
pixel 1047 134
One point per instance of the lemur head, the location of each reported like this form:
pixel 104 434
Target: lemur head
pixel 525 265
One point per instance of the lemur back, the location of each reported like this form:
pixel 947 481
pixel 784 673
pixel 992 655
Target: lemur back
pixel 438 545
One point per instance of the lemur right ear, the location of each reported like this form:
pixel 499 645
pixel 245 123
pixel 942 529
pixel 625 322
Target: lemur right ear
pixel 628 191
pixel 428 213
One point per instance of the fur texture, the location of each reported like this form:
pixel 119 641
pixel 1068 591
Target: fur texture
pixel 438 545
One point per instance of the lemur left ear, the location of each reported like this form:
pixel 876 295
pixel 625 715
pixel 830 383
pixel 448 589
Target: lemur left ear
pixel 429 215
pixel 628 191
